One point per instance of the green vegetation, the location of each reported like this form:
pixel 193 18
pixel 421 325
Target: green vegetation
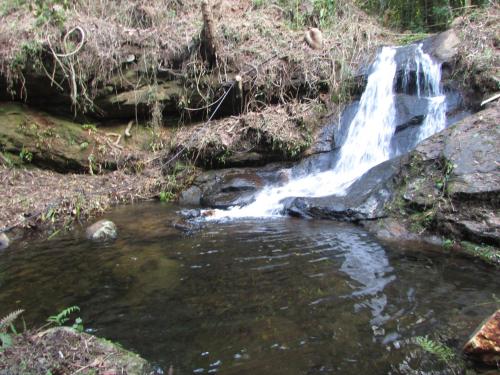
pixel 418 15
pixel 443 352
pixel 7 329
pixel 63 317
pixel 317 13
pixel 485 252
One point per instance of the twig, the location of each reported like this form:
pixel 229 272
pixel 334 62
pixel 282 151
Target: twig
pixel 80 45
pixel 493 98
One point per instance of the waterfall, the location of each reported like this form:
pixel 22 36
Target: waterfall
pixel 369 136
pixel 435 120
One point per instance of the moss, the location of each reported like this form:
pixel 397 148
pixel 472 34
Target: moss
pixel 487 253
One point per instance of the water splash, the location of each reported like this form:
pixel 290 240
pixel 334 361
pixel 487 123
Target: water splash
pixel 368 140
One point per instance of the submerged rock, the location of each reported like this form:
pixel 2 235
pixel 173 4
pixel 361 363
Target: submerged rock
pixel 102 230
pixel 4 241
pixel 484 345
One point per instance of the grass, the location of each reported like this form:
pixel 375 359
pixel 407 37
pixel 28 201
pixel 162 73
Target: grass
pixel 487 253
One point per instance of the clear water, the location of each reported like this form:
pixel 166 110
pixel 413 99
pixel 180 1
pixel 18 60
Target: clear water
pixel 280 296
pixel 369 136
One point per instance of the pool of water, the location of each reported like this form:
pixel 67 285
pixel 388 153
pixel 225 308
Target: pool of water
pixel 282 296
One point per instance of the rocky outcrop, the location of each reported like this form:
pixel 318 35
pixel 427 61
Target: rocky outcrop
pixel 484 345
pixel 450 183
pixel 32 137
pixel 103 230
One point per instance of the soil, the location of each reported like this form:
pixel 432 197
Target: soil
pixel 62 350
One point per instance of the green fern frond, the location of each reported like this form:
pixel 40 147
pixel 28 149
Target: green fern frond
pixel 443 352
pixel 63 316
pixel 7 321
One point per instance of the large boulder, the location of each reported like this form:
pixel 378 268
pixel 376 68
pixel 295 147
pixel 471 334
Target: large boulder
pixel 229 187
pixel 451 181
pixel 484 345
pixel 364 200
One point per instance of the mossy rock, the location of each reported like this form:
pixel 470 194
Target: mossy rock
pixel 31 137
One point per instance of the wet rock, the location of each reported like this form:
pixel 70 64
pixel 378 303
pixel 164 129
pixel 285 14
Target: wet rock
pixel 4 241
pixel 191 196
pixel 238 189
pixel 229 187
pixel 484 345
pixel 472 151
pixel 389 229
pixel 186 226
pixel 453 179
pixel 443 47
pixel 102 230
pixel 364 200
pixel 190 214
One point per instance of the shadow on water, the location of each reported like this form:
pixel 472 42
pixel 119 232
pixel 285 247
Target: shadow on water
pixel 280 296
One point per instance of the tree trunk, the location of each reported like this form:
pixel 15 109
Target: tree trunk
pixel 209 42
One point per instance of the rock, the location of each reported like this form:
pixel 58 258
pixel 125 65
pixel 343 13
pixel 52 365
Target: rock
pixel 102 230
pixel 4 241
pixel 453 179
pixel 472 151
pixel 229 187
pixel 191 196
pixel 484 345
pixel 186 226
pixel 364 200
pixel 29 136
pixel 389 229
pixel 443 46
pixel 190 214
pixel 237 189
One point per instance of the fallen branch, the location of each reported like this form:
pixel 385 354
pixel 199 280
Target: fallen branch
pixel 493 98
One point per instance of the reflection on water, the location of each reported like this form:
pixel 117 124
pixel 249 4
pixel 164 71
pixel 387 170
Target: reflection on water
pixel 284 296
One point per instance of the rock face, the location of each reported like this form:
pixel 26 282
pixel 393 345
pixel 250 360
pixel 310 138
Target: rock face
pixel 103 230
pixel 4 241
pixel 450 183
pixel 484 345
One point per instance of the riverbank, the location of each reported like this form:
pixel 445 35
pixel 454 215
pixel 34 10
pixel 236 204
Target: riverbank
pixel 63 350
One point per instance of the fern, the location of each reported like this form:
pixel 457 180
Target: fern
pixel 443 352
pixel 8 320
pixel 63 316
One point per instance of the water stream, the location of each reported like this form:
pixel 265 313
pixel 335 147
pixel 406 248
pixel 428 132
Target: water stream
pixel 267 296
pixel 368 141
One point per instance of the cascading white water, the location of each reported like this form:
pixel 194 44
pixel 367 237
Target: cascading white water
pixel 435 120
pixel 368 140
